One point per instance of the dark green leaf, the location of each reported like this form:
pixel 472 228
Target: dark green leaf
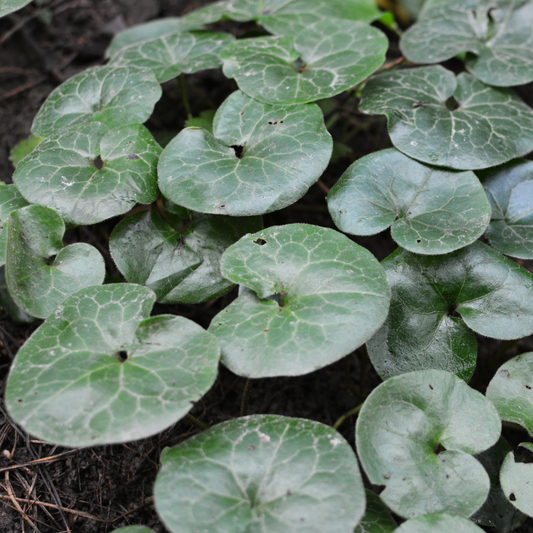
pixel 261 473
pixel 517 483
pixel 497 511
pixel 40 272
pixel 169 55
pixel 314 297
pixel 180 261
pixel 490 126
pixel 378 518
pixel 509 190
pixel 325 59
pixel 437 301
pixel 100 371
pixel 496 32
pixel 8 304
pixel 261 158
pixel 134 529
pixel 439 523
pixel 23 148
pixel 113 96
pixel 432 211
pixel 10 200
pixel 89 174
pixel 205 121
pixel 400 429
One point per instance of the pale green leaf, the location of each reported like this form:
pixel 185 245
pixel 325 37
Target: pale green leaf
pixel 169 55
pixel 8 6
pixel 323 60
pixel 23 148
pixel 113 96
pixel 509 190
pixel 491 125
pixel 432 211
pixel 100 371
pixel 40 272
pixel 437 301
pixel 377 518
pixel 517 483
pixel 259 159
pixel 180 260
pixel 314 296
pixel 134 529
pixel 261 473
pixel 439 523
pixel 400 429
pixel 497 33
pixel 511 391
pixel 10 200
pixel 89 173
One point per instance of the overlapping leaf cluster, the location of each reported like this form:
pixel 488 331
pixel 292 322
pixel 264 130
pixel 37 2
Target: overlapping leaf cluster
pixel 101 370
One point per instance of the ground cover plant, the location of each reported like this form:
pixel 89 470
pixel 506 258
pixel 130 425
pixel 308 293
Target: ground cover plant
pixel 113 360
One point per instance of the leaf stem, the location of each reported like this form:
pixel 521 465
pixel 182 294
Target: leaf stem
pixel 245 397
pixel 195 422
pixel 184 96
pixel 350 413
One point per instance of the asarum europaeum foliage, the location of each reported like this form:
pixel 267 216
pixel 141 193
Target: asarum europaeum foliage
pixel 455 191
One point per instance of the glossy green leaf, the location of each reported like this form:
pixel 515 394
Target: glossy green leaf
pixel 113 96
pixel 40 272
pixel 511 391
pixel 431 211
pixel 10 200
pixel 509 190
pixel 497 511
pixel 439 523
pixel 23 148
pixel 8 6
pixel 169 55
pixel 100 371
pixel 400 429
pixel 259 159
pixel 323 60
pixel 150 30
pixel 490 126
pixel 517 483
pixel 8 304
pixel 261 473
pixel 314 297
pixel 179 261
pixel 89 174
pixel 377 518
pixel 496 32
pixel 436 302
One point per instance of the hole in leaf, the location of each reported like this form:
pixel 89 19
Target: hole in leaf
pixel 418 241
pixel 452 104
pixel 440 448
pixel 512 497
pixel 122 355
pixel 260 242
pixel 528 387
pixel 239 150
pixel 98 163
pixel 431 387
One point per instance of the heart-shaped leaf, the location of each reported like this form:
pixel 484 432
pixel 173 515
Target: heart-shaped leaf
pixel 40 272
pixel 511 391
pixel 517 483
pixel 169 55
pixel 180 260
pixel 323 60
pixel 261 158
pixel 100 371
pixel 8 6
pixel 509 190
pixel 492 295
pixel 261 473
pixel 432 211
pixel 496 32
pixel 439 523
pixel 377 518
pixel 89 174
pixel 8 304
pixel 497 511
pixel 148 31
pixel 490 126
pixel 113 96
pixel 314 297
pixel 10 200
pixel 400 429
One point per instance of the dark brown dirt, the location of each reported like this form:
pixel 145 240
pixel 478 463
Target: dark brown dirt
pixel 100 489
